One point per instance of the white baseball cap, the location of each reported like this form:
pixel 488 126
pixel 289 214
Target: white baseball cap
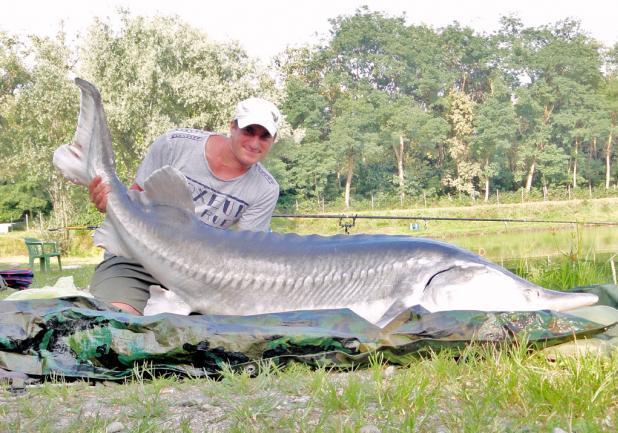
pixel 258 111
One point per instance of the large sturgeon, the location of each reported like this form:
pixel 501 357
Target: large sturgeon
pixel 208 270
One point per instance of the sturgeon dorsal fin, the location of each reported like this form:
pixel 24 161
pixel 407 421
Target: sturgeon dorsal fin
pixel 168 186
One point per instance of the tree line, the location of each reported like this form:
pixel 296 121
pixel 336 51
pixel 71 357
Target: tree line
pixel 382 108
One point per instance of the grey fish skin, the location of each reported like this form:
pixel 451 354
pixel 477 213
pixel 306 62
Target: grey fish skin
pixel 212 271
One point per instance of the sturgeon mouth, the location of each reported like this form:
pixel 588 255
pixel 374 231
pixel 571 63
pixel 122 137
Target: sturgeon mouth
pixel 564 301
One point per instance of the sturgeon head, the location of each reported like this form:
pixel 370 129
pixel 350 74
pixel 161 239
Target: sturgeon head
pixel 482 286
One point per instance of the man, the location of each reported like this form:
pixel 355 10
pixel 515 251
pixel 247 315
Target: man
pixel 229 186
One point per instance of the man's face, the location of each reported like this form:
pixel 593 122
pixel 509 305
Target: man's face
pixel 250 144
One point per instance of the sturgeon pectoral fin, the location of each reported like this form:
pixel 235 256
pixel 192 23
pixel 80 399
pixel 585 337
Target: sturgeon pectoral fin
pixel 398 314
pixel 107 237
pixel 165 301
pixel 393 311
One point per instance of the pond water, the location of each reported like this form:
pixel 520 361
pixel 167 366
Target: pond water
pixel 586 242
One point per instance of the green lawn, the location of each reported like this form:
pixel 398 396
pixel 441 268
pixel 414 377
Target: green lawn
pixel 481 389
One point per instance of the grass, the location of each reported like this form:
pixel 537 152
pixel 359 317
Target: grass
pixel 567 272
pixel 79 263
pixel 80 271
pixel 483 389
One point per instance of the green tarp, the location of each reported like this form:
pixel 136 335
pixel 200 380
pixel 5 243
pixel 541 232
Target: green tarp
pixel 82 337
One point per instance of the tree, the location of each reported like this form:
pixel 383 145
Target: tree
pixel 19 197
pixel 609 98
pixel 575 124
pixel 353 135
pixel 13 76
pixel 43 117
pixel 308 158
pixel 551 62
pixel 494 132
pixel 405 67
pixel 414 133
pixel 461 115
pixel 468 59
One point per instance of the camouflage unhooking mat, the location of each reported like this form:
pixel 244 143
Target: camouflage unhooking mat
pixel 82 338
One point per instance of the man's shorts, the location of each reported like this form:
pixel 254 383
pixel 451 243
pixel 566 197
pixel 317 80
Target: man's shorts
pixel 118 279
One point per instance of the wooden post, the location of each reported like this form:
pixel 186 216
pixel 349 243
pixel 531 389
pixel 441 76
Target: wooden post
pixel 425 198
pixel 27 223
pixel 613 266
pixel 498 196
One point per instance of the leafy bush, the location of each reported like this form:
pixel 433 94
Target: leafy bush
pixel 17 198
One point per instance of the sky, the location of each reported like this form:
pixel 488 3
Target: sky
pixel 266 27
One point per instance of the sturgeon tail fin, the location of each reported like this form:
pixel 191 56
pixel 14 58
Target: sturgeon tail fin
pixel 90 153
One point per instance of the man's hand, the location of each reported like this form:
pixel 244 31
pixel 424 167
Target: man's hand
pixel 98 191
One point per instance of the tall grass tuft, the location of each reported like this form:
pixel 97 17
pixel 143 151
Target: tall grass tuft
pixel 568 271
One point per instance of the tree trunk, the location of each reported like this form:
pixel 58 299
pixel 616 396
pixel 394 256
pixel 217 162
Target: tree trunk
pixel 545 192
pixel 399 155
pixel 63 209
pixel 575 163
pixel 486 180
pixel 592 153
pixel 348 181
pixel 608 159
pixel 315 188
pixel 593 149
pixel 530 175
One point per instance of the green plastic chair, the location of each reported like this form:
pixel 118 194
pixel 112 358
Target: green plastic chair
pixel 42 250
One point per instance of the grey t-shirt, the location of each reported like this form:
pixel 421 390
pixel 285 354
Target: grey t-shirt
pixel 247 200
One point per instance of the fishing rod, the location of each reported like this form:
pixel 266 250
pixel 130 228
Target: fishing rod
pixel 353 217
pixel 428 218
pixel 55 229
